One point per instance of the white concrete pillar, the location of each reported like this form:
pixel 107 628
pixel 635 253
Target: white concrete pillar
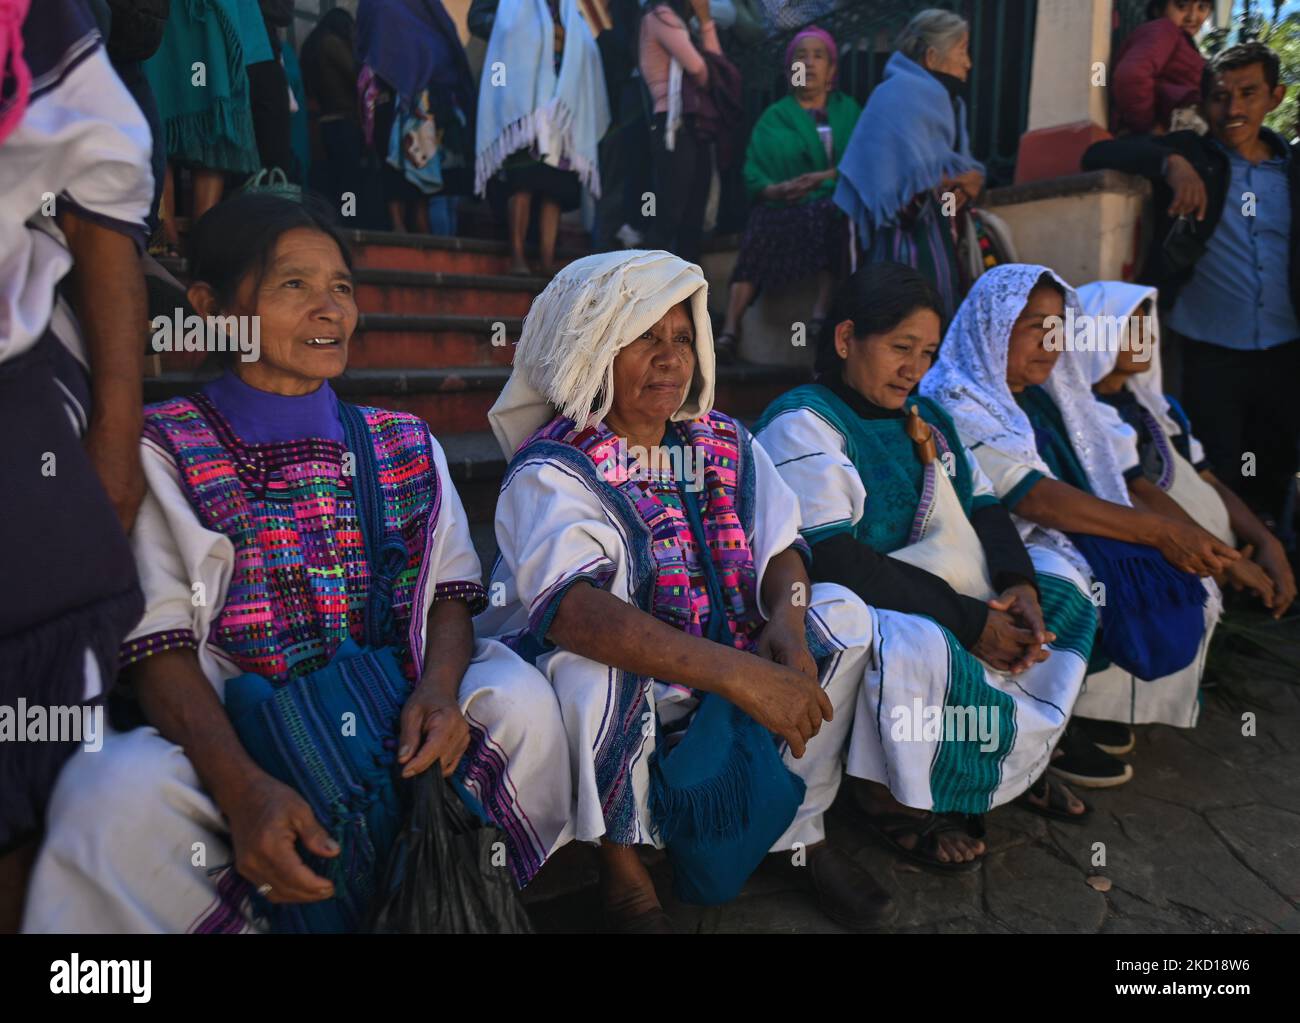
pixel 1071 37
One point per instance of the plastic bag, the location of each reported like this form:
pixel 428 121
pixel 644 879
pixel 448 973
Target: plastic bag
pixel 440 878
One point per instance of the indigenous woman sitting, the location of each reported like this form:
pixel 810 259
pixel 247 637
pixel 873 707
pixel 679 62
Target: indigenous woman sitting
pixel 970 625
pixel 795 229
pixel 253 551
pixel 652 568
pixel 1164 464
pixel 1032 424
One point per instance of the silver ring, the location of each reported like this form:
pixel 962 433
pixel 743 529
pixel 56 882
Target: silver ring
pixel 264 890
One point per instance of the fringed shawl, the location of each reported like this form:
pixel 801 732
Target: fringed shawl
pixel 785 144
pixel 413 45
pixel 563 115
pixel 906 142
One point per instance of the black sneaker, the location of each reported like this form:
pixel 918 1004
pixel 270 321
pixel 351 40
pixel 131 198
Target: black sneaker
pixel 1108 736
pixel 1083 764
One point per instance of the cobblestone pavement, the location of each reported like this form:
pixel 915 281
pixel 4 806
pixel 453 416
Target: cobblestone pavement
pixel 1205 838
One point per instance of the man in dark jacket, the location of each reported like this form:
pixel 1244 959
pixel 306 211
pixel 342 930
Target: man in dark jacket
pixel 1226 262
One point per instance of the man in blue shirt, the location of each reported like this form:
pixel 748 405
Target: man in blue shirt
pixel 1226 261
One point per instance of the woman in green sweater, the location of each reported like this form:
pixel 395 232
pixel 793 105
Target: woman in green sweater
pixel 795 229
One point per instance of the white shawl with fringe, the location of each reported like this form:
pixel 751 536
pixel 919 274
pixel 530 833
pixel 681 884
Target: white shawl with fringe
pixel 522 102
pixel 591 310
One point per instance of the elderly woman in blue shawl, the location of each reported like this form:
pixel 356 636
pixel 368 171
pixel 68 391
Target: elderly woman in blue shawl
pixel 911 150
pixel 1029 416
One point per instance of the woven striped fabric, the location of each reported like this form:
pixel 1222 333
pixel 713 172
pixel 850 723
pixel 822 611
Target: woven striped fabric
pixel 679 595
pixel 300 577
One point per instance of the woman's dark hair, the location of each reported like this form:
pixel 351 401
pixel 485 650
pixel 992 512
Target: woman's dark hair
pixel 1046 280
pixel 237 237
pixel 877 299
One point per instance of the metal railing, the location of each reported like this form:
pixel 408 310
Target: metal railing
pixel 1002 51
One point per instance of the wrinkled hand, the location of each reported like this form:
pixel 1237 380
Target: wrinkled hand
pixel 1003 644
pixel 1023 606
pixel 786 643
pixel 966 186
pixel 1247 575
pixel 437 720
pixel 1191 549
pixel 115 454
pixel 784 701
pixel 265 822
pixel 1273 560
pixel 1190 196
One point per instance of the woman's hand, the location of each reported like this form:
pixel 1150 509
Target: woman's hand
pixel 1021 603
pixel 1273 560
pixel 702 13
pixel 1003 644
pixel 266 820
pixel 783 700
pixel 1191 549
pixel 967 186
pixel 1247 575
pixel 431 715
pixel 784 641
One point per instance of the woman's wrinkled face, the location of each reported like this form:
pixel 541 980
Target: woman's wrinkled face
pixel 955 61
pixel 816 60
pixel 885 368
pixel 652 375
pixel 307 313
pixel 1189 15
pixel 1029 360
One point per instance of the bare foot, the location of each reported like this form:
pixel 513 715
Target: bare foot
pixel 955 846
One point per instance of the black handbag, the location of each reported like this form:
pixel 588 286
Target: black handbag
pixel 447 872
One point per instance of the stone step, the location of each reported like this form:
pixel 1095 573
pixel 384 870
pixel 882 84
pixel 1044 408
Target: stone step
pixel 456 399
pixel 387 250
pixel 426 293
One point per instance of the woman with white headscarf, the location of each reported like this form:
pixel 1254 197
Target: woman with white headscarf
pixel 1172 473
pixel 1034 427
pixel 969 621
pixel 635 525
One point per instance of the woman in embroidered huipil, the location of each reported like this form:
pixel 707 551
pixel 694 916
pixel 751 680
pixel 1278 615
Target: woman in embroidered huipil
pixel 252 560
pixel 607 584
pixel 971 623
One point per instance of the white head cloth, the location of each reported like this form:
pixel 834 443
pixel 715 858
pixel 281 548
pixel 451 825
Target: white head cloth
pixel 592 309
pixel 970 381
pixel 1121 300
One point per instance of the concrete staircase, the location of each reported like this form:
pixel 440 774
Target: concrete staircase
pixel 440 317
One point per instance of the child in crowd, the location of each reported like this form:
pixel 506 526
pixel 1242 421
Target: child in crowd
pixel 1157 80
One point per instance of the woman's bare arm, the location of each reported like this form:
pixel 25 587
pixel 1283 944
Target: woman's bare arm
pixel 1058 505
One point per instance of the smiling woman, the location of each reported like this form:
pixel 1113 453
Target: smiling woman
pixel 273 541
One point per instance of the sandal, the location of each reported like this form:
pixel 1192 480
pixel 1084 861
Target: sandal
pixel 888 828
pixel 1058 803
pixel 726 348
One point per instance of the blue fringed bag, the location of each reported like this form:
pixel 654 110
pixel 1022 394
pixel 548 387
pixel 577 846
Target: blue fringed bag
pixel 1153 618
pixel 722 796
pixel 296 731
